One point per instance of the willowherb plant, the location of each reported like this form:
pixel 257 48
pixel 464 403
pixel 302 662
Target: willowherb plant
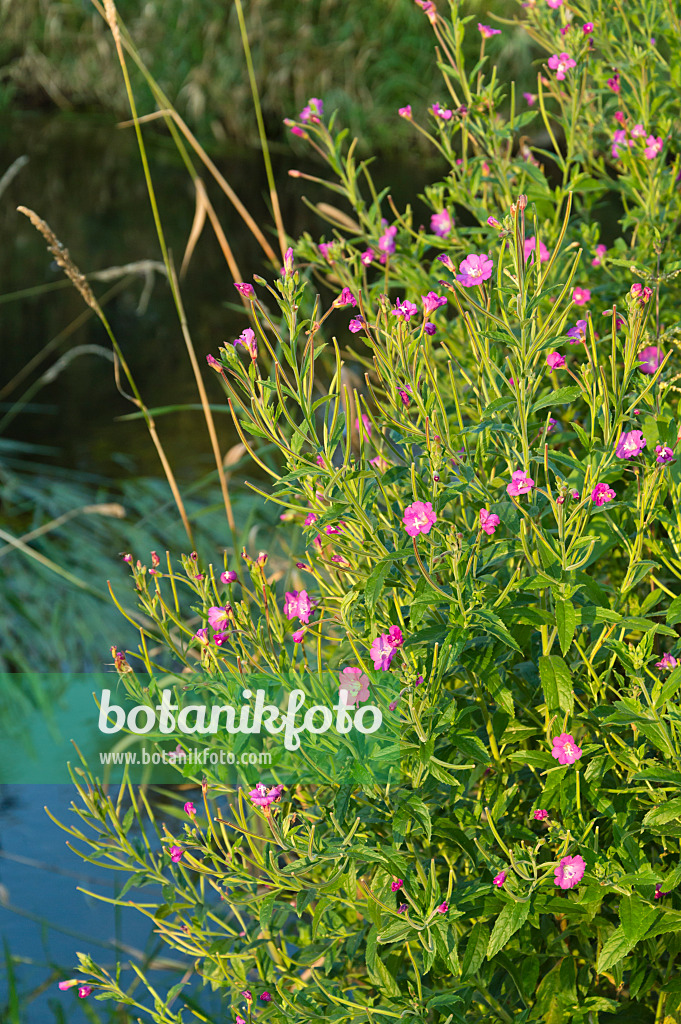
pixel 484 537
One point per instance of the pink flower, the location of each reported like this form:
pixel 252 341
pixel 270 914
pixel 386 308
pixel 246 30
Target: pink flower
pixel 297 603
pixel 214 365
pixel 201 635
pixel 442 908
pixel 441 224
pixel 386 242
pixel 189 809
pixel 602 493
pixel 565 750
pixel 366 257
pixel 540 815
pixel 247 995
pixel 530 98
pixel 176 854
pixel 600 253
pixel 555 4
pixel 432 301
pixel 650 358
pixel 488 521
pixel 405 309
pixel 578 332
pixel 430 328
pixel 298 635
pixel 229 576
pixel 620 139
pixel 218 618
pixel 659 894
pixel 247 339
pixel 238 1019
pixel 366 425
pixel 382 652
pixel 310 518
pixel 396 885
pixel 265 997
pixel 561 63
pixel 395 636
pixel 614 83
pixel 84 991
pixel 520 483
pixel 65 985
pixel 486 32
pixel 580 296
pixel 261 796
pixel 404 394
pixel 666 661
pixel 499 879
pixel 313 111
pixel 402 907
pixel 428 8
pixel 638 132
pixel 631 443
pixel 244 289
pixel 570 872
pixel 475 269
pixel 653 147
pixel 555 360
pixel 355 684
pixel 419 518
pixel 587 28
pixel 405 112
pixel 530 245
pixel 346 298
pixel 356 324
pixel 326 250
pixel 664 454
pixel 442 112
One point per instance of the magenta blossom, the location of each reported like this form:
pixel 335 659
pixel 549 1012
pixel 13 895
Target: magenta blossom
pixel 405 112
pixel 189 809
pixel 555 360
pixel 442 112
pixel 405 309
pixel 386 242
pixel 229 576
pixel 429 328
pixel 382 652
pixel 666 661
pixel 487 32
pixel 587 28
pixel 530 246
pixel 248 340
pixel 355 684
pixel 488 521
pixel 602 493
pixel 265 997
pixel 419 518
pixel 176 854
pixel 313 111
pixel 297 603
pixel 84 991
pixel 244 289
pixel 620 139
pixel 614 83
pixel 561 64
pixel 475 269
pixel 555 4
pixel 530 98
pixel 366 257
pixel 499 879
pixel 428 8
pixel 664 454
pixel 570 872
pixel 578 332
pixel 432 301
pixel 397 884
pixel 297 635
pixel 442 908
pixel 402 907
pixel 565 750
pixel 218 618
pixel 658 892
pixel 580 296
pixel 631 443
pixel 201 635
pixel 649 359
pixel 261 796
pixel 395 636
pixel 600 253
pixel 65 985
pixel 540 814
pixel 441 224
pixel 364 428
pixel 356 324
pixel 346 298
pixel 520 483
pixel 653 147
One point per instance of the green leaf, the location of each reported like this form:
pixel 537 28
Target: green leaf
pixel 674 612
pixel 559 397
pixel 395 932
pixel 666 812
pixel 556 683
pixel 374 584
pixel 303 898
pixel 636 917
pixel 475 950
pixel 493 624
pixel 267 910
pixel 566 620
pixel 511 918
pixel 615 949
